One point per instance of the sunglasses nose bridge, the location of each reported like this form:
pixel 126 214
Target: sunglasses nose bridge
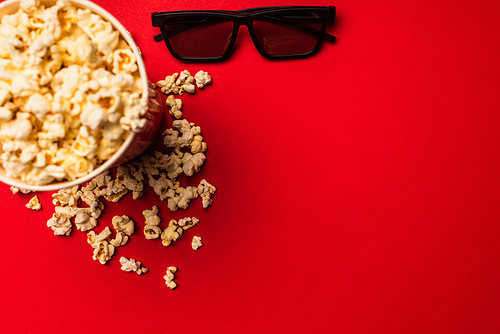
pixel 246 22
pixel 240 21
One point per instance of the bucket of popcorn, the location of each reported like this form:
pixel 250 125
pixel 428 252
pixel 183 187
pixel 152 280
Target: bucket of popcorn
pixel 75 99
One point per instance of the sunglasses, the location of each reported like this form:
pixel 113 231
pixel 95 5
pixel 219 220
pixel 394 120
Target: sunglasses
pixel 285 32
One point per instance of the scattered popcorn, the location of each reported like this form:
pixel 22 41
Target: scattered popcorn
pixel 185 82
pixel 151 229
pixel 169 277
pixel 165 188
pixel 185 146
pixel 196 243
pixel 103 252
pixel 172 233
pixel 174 106
pixel 192 163
pixel 121 239
pixel 202 79
pixel 168 86
pixel 90 195
pixel 94 239
pixel 206 190
pixel 68 196
pixel 34 204
pixel 69 211
pixel 152 232
pixel 185 129
pixel 84 220
pixel 182 198
pixel 131 265
pixel 123 224
pixel 16 190
pixel 198 145
pixel 128 178
pixel 104 246
pixel 188 222
pixel 151 216
pixel 114 191
pixel 70 92
pixel 60 224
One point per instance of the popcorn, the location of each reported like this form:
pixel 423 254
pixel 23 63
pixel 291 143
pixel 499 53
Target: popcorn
pixel 68 211
pixel 101 32
pixel 7 111
pixel 68 196
pixel 29 5
pixel 182 198
pixel 85 144
pixel 66 201
pixel 131 265
pixel 169 85
pixel 172 233
pixel 104 246
pixel 70 85
pixel 130 182
pixel 198 145
pixel 152 232
pixel 174 106
pixel 164 187
pixel 84 220
pixel 121 239
pixel 76 166
pixel 192 163
pixel 169 277
pixel 185 82
pixel 177 84
pixel 94 239
pixel 202 79
pixel 114 191
pixel 151 216
pixel 5 96
pixel 127 178
pixel 46 175
pixel 103 252
pixel 206 190
pixel 34 204
pixel 187 131
pixel 176 228
pixel 54 128
pixel 196 243
pixel 38 105
pixel 60 224
pixel 170 163
pixel 123 224
pixel 15 190
pixel 151 229
pixel 188 222
pixel 17 129
pixel 124 61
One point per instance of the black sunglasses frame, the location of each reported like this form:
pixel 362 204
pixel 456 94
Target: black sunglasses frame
pixel 246 17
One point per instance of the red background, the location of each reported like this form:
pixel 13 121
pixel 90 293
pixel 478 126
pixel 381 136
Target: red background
pixel 358 190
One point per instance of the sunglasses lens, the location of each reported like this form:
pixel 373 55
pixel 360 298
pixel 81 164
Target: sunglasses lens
pixel 289 33
pixel 199 36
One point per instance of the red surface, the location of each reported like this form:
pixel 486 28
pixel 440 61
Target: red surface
pixel 358 190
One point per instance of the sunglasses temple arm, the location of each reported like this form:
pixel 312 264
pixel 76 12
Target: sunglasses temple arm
pixel 329 37
pixel 158 38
